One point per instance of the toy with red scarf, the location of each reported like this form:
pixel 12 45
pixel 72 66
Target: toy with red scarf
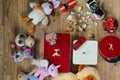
pixel 111 25
pixel 70 4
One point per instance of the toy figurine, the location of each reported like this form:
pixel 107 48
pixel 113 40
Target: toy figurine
pixel 111 25
pixel 51 38
pixel 69 5
pixel 39 13
pixel 95 9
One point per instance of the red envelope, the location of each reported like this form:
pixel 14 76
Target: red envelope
pixel 63 43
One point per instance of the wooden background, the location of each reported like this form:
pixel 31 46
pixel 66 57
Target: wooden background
pixel 11 13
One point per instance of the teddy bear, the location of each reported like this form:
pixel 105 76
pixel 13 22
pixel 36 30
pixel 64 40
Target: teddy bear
pixel 22 47
pixel 84 73
pixel 40 13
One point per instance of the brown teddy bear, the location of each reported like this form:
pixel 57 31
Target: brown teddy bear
pixel 84 73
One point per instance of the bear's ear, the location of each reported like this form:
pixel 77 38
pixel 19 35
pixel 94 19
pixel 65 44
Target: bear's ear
pixel 81 67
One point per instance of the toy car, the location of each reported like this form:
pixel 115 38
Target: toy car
pixel 78 43
pixel 69 5
pixel 95 9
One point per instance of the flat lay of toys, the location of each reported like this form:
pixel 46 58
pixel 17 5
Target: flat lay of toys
pixel 59 50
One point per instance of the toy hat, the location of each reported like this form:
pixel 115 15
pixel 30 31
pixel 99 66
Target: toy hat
pixel 47 7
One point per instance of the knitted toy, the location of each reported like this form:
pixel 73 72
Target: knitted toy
pixel 84 73
pixel 39 13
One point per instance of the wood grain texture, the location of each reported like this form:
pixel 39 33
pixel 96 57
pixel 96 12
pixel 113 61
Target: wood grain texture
pixel 11 13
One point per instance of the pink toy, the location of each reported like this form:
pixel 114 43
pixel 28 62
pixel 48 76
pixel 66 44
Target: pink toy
pixel 43 72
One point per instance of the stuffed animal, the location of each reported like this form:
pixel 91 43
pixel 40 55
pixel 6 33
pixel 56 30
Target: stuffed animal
pixel 43 69
pixel 20 55
pixel 39 13
pixel 29 76
pixel 22 40
pixel 43 72
pixel 84 73
pixel 23 47
pixel 40 72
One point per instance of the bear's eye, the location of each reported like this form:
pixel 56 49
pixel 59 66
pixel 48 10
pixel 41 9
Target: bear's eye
pixel 20 42
pixel 17 56
pixel 22 36
pixel 19 76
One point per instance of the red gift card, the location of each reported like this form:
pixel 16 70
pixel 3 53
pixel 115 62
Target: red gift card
pixel 63 45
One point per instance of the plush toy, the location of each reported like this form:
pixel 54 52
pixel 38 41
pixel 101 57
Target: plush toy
pixel 20 55
pixel 23 47
pixel 39 13
pixel 43 70
pixel 22 40
pixel 29 76
pixel 43 63
pixel 84 73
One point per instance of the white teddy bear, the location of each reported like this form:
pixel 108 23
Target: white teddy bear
pixel 40 13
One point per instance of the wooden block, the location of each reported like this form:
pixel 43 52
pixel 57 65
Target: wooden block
pixel 1 40
pixel 1 12
pixel 1 67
